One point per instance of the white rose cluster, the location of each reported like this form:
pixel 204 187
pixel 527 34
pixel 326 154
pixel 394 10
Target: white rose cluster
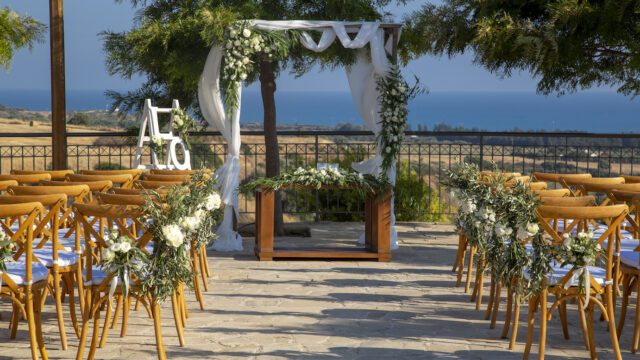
pixel 393 113
pixel 173 234
pixel 240 47
pixel 117 244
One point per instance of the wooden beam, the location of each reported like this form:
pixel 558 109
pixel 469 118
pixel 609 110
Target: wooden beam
pixel 58 99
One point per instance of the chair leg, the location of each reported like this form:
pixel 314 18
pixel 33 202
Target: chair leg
pixel 562 311
pixel 81 290
pixel 636 326
pixel 480 283
pixel 467 285
pixel 507 315
pixel 177 317
pixel 612 321
pixel 206 261
pixel 196 282
pixel 203 275
pixel 590 325
pixel 533 303
pixel 543 324
pixel 31 322
pixel 116 313
pixel 492 293
pixel 183 302
pixel 516 323
pixel 625 304
pixel 15 319
pixel 96 332
pixel 496 304
pixel 58 299
pixel 105 329
pixel 157 327
pixel 125 316
pixel 456 263
pixel 461 264
pixel 583 323
pixel 38 295
pixel 68 278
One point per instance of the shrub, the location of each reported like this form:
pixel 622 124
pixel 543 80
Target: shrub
pixel 414 200
pixel 110 166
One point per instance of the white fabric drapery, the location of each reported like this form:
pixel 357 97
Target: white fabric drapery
pixel 362 82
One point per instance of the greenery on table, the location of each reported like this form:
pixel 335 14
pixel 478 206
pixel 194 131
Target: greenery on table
pixel 567 44
pixel 176 220
pixel 316 179
pixel 125 259
pixel 17 32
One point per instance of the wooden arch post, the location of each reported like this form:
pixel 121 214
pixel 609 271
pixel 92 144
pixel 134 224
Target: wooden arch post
pixel 58 98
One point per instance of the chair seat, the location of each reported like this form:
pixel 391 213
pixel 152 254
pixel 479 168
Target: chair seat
pixel 45 255
pixel 598 273
pixel 625 244
pixel 17 272
pixel 623 233
pixel 630 258
pixel 97 276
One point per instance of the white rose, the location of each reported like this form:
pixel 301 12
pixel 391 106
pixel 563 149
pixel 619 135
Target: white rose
pixel 125 247
pixel 402 89
pixel 178 121
pixel 233 33
pixel 243 76
pixel 200 214
pixel 116 247
pixel 532 228
pixel 245 60
pixel 189 223
pixel 237 43
pixel 567 242
pixel 173 234
pixel 108 255
pixel 246 33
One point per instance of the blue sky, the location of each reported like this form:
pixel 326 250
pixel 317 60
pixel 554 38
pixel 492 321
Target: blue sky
pixel 84 19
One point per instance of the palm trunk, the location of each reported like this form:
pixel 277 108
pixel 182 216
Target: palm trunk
pixel 268 89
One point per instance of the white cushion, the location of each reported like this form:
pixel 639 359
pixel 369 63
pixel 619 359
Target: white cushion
pixel 45 255
pixel 17 272
pixel 597 273
pixel 630 258
pixel 97 275
pixel 625 244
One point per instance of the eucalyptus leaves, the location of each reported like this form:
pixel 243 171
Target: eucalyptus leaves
pixel 7 247
pixel 395 94
pixel 182 124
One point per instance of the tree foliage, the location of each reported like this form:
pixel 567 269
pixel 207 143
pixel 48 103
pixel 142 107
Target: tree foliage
pixel 170 41
pixel 16 32
pixel 569 44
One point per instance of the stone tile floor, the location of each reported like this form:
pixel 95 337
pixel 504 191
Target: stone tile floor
pixel 406 309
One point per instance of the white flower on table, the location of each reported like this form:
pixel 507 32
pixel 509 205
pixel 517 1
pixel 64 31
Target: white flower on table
pixel 173 235
pixel 212 202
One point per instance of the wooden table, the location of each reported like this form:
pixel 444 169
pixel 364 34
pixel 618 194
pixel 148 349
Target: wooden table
pixel 377 233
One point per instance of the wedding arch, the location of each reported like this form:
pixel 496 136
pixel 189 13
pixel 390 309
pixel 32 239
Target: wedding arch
pixel 364 82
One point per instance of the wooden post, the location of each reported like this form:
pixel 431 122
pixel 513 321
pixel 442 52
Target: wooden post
pixel 264 224
pixel 58 101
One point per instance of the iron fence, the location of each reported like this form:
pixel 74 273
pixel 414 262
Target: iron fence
pixel 422 161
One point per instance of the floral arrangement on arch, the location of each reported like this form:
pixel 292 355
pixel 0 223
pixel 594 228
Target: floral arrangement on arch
pixel 185 217
pixel 395 94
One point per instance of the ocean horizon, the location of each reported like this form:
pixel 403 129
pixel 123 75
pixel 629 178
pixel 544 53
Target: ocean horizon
pixel 603 112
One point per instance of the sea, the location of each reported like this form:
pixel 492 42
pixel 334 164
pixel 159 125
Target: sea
pixel 600 112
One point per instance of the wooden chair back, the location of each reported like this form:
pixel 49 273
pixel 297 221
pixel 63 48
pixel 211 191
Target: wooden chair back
pixel 136 174
pixel 55 174
pixel 555 178
pixel 164 177
pixel 537 185
pixel 153 185
pixel 122 180
pixel 120 199
pixel 552 192
pixel 172 172
pixel 569 201
pixel 26 179
pixel 629 179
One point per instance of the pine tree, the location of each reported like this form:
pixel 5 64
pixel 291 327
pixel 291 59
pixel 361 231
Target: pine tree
pixel 16 32
pixel 568 44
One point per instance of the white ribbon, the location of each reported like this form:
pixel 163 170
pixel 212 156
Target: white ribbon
pixel 582 273
pixel 112 288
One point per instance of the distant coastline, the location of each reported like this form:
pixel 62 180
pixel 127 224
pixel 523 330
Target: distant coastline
pixel 601 112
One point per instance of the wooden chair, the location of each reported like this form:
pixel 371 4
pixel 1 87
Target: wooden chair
pixel 137 191
pixel 55 174
pixel 537 185
pixel 136 174
pixel 121 180
pixel 93 186
pixel 561 283
pixel 26 179
pixel 552 192
pixel 48 251
pixel 98 282
pixel 555 178
pixel 631 179
pixel 154 185
pixel 591 185
pixel 24 281
pixel 171 172
pixel 163 177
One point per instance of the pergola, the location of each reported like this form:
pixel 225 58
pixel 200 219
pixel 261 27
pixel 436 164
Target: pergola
pixel 58 98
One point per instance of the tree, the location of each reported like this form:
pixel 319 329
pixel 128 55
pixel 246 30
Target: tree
pixel 16 32
pixel 569 44
pixel 171 39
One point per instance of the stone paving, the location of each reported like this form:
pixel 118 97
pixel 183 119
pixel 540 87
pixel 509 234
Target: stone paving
pixel 406 309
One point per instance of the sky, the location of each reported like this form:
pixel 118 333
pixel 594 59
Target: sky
pixel 85 65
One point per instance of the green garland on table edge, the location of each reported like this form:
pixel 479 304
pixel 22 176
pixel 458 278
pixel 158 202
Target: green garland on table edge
pixel 363 184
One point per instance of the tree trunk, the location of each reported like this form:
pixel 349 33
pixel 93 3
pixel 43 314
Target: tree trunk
pixel 268 89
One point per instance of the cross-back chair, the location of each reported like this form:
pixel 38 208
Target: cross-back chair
pixel 26 179
pixel 553 192
pixel 136 174
pixel 563 284
pixel 24 280
pixel 154 185
pixel 55 174
pixel 120 180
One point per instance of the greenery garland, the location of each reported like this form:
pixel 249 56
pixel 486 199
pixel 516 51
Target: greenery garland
pixel 7 247
pixel 395 94
pixel 180 217
pixel 311 177
pixel 124 259
pixel 183 124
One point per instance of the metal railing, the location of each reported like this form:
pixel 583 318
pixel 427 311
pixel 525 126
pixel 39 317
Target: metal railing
pixel 423 158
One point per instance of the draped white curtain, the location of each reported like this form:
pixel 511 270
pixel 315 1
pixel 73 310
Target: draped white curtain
pixel 362 82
